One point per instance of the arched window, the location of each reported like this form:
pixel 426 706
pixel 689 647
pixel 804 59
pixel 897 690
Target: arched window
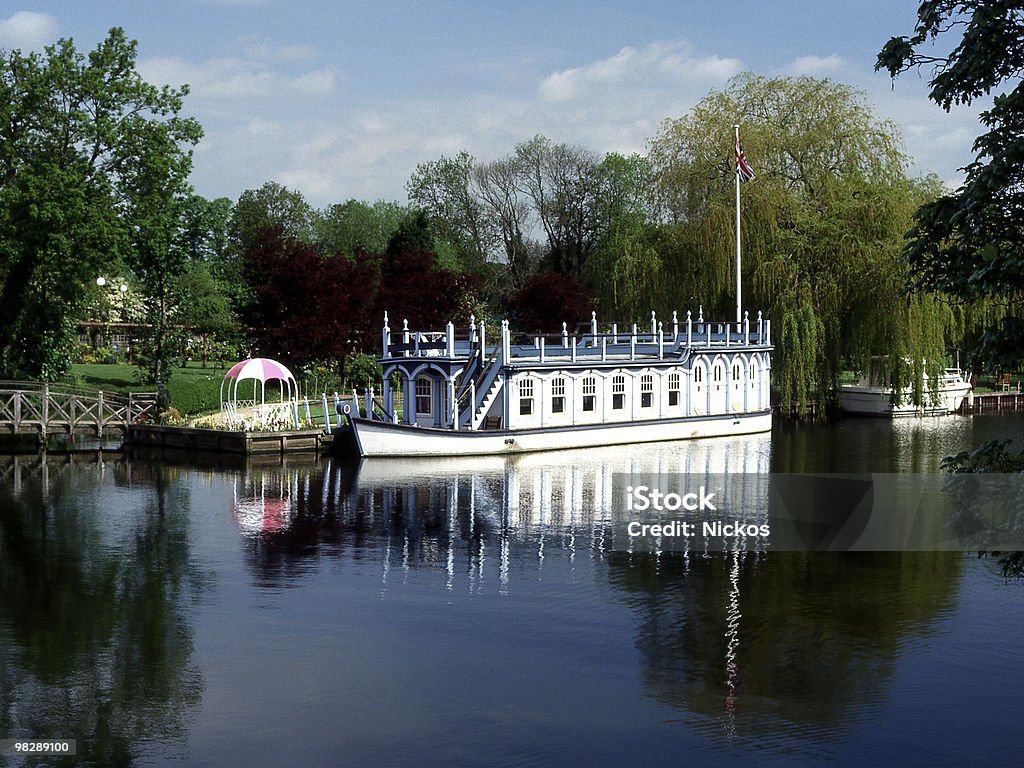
pixel 673 389
pixel 618 392
pixel 589 393
pixel 646 390
pixel 558 395
pixel 424 395
pixel 526 397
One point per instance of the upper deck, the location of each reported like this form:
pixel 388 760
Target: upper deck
pixel 594 345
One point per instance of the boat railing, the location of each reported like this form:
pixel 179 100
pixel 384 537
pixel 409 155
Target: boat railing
pixel 656 340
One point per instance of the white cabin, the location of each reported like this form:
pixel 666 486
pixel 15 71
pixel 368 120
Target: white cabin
pixel 693 371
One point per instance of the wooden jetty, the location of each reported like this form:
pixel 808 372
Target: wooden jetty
pixel 44 409
pixel 226 441
pixel 992 402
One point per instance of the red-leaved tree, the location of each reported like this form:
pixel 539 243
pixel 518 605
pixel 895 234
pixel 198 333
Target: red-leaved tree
pixel 546 300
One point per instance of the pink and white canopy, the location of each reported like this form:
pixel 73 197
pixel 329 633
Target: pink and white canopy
pixel 262 370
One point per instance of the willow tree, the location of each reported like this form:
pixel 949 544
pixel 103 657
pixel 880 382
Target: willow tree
pixel 822 225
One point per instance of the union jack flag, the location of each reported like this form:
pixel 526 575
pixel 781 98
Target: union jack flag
pixel 743 169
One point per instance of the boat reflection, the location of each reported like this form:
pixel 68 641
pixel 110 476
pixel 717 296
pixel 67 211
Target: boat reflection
pixel 435 510
pixel 746 643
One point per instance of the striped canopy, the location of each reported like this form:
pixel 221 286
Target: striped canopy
pixel 262 369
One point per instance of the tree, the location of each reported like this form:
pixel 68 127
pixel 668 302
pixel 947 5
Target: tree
pixel 307 307
pixel 970 243
pixel 546 300
pixel 205 308
pixel 272 205
pixel 204 230
pixel 159 194
pixel 86 145
pixel 561 181
pixel 357 226
pixel 442 189
pixel 626 268
pixel 822 228
pixel 497 186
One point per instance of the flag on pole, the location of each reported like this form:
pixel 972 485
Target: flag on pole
pixel 743 169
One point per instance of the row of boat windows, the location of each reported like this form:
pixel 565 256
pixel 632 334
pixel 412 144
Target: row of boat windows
pixel 526 390
pixel 424 389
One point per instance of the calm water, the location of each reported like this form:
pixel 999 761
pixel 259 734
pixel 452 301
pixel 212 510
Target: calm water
pixel 395 613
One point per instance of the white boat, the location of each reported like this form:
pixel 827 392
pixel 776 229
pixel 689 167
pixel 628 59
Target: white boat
pixel 873 394
pixel 462 396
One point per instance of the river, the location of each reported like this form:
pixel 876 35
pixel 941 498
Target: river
pixel 176 610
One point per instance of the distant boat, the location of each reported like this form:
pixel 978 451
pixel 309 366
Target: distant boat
pixel 462 396
pixel 874 395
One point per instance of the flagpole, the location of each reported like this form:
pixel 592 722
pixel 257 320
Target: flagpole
pixel 739 288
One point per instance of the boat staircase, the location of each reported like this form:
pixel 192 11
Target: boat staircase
pixel 480 386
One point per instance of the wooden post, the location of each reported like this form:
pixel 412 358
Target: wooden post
pixel 327 418
pixel 99 412
pixel 17 410
pixel 46 408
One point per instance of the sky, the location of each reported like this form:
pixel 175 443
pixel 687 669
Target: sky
pixel 342 99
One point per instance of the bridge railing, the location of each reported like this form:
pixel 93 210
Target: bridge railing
pixel 28 406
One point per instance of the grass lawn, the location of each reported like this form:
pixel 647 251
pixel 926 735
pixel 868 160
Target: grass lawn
pixel 193 389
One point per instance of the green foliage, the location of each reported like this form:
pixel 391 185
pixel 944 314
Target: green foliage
pixel 822 227
pixel 355 226
pixel 91 156
pixel 970 244
pixel 991 456
pixel 193 395
pixel 362 371
pixel 457 217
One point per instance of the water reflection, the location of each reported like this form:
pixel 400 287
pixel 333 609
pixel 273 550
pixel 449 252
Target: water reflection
pixel 781 646
pixel 98 578
pixel 746 644
pixel 448 514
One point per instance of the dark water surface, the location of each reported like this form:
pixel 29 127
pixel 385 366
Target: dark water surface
pixel 170 611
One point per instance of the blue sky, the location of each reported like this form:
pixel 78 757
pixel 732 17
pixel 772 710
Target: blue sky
pixel 343 99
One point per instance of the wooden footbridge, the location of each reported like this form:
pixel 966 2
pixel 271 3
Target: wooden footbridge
pixel 59 408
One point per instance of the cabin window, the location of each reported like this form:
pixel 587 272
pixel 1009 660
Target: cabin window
pixel 736 372
pixel 698 374
pixel 618 392
pixel 646 390
pixel 558 395
pixel 673 389
pixel 526 397
pixel 717 372
pixel 589 393
pixel 753 370
pixel 424 392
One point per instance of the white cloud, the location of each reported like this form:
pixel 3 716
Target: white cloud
pixel 234 78
pixel 27 30
pixel 653 66
pixel 816 66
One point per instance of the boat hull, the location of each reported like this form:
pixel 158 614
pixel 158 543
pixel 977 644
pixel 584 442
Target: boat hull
pixel 379 438
pixel 876 401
